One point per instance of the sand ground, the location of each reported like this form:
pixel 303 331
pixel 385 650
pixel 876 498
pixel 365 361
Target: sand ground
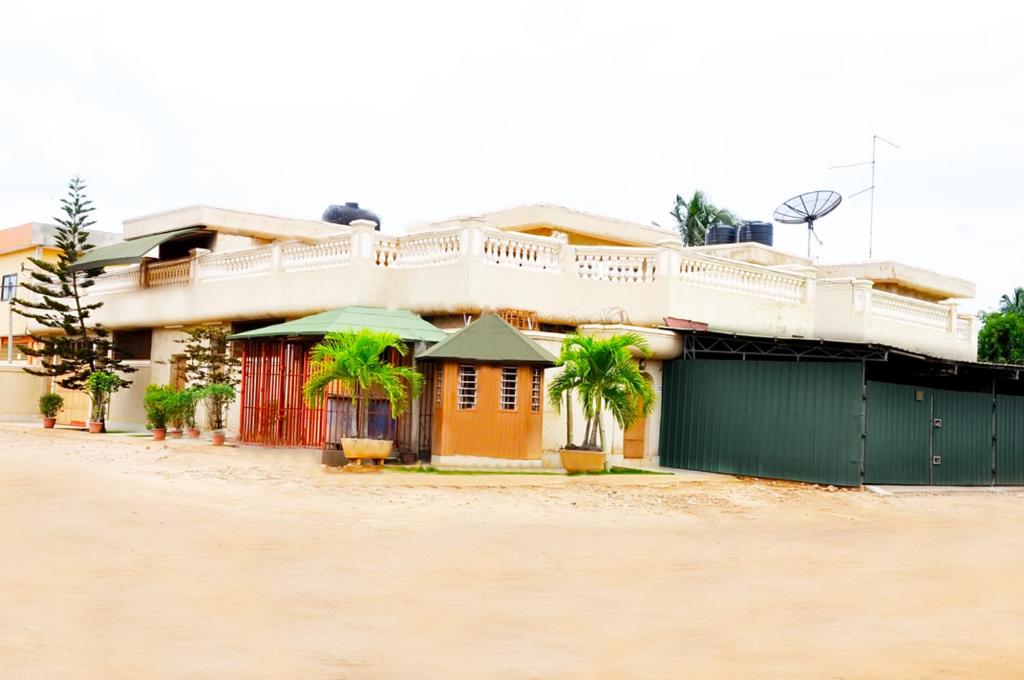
pixel 128 558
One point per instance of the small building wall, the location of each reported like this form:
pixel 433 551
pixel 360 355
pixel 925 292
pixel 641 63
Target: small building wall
pixel 19 394
pixel 486 429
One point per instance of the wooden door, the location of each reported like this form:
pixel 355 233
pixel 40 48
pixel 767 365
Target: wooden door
pixel 76 407
pixel 634 438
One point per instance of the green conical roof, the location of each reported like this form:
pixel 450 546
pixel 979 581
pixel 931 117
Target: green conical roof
pixel 490 340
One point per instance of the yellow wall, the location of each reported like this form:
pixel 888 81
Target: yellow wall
pixel 19 394
pixel 486 430
pixel 10 263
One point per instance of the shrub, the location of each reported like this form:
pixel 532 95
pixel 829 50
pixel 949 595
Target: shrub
pixel 50 404
pixel 100 385
pixel 217 397
pixel 159 403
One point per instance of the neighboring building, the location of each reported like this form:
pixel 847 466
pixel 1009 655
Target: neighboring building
pixel 545 269
pixel 17 244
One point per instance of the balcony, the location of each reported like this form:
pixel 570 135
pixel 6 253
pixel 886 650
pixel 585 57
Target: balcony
pixel 469 267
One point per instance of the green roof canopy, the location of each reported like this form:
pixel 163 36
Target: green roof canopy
pixel 404 324
pixel 490 340
pixel 128 252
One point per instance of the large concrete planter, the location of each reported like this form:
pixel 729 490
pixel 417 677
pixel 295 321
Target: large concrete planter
pixel 360 450
pixel 576 461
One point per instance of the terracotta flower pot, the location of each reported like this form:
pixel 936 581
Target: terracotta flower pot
pixel 193 433
pixel 217 439
pixel 175 434
pixel 95 428
pixel 576 460
pixel 48 423
pixel 159 433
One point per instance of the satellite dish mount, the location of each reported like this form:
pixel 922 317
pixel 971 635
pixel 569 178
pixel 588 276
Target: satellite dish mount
pixel 806 209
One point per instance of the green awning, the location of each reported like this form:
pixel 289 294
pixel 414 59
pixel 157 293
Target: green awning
pixel 406 325
pixel 489 340
pixel 128 252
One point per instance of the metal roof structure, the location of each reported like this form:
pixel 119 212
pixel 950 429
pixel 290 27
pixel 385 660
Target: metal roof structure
pixel 406 325
pixel 489 339
pixel 128 252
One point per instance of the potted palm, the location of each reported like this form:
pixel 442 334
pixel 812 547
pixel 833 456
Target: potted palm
pixel 601 371
pixel 217 397
pixel 158 402
pixel 355 360
pixel 50 404
pixel 100 386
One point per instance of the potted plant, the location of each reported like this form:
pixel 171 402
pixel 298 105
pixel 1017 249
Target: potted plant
pixel 355 360
pixel 50 404
pixel 158 403
pixel 601 371
pixel 190 398
pixel 217 397
pixel 100 385
pixel 177 413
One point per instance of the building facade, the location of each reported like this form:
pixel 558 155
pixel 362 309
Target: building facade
pixel 548 269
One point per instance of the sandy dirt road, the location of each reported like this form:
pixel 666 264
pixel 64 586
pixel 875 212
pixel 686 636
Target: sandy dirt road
pixel 126 558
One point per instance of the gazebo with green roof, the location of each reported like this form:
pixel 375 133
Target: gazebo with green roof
pixel 488 392
pixel 276 363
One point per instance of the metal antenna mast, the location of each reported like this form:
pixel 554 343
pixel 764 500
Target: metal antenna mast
pixel 871 220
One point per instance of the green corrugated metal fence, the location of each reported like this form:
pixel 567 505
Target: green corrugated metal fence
pixel 1009 439
pixel 787 420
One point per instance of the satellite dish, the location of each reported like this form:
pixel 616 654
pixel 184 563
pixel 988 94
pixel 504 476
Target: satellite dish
pixel 806 208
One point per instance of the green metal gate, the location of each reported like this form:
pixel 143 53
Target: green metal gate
pixel 919 435
pixel 1009 439
pixel 786 420
pixel 899 433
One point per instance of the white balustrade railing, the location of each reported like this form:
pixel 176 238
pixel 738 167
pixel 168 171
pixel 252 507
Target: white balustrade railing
pixel 963 329
pixel 604 263
pixel 741 278
pixel 235 263
pixel 535 253
pixel 892 307
pixel 169 273
pixel 385 250
pixel 424 250
pixel 126 278
pixel 328 253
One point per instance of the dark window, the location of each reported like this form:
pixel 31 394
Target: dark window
pixel 134 345
pixel 8 287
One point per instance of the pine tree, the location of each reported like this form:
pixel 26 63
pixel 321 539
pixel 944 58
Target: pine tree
pixel 75 348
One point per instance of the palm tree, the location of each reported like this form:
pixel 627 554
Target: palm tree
pixel 603 373
pixel 356 360
pixel 694 216
pixel 1014 302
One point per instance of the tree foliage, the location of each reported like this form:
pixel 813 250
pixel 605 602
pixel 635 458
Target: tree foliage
pixel 694 217
pixel 1013 302
pixel 603 373
pixel 1001 339
pixel 74 349
pixel 356 360
pixel 211 371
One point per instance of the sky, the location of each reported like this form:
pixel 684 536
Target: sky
pixel 428 110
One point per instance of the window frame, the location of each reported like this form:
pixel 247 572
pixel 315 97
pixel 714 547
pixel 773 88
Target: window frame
pixel 8 291
pixel 536 396
pixel 502 387
pixel 463 387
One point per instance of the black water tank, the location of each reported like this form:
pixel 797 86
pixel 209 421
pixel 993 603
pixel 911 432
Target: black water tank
pixel 349 213
pixel 757 232
pixel 720 233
